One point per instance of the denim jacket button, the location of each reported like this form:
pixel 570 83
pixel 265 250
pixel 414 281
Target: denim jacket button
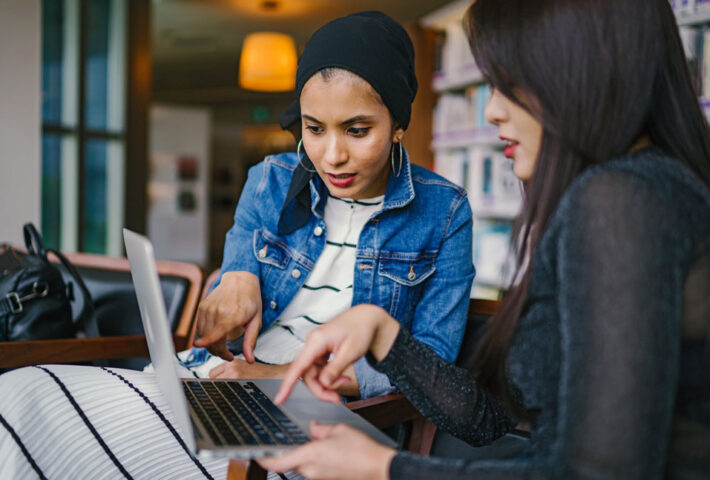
pixel 411 276
pixel 318 231
pixel 262 253
pixel 273 305
pixel 296 273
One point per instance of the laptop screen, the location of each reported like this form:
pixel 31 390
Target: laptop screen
pixel 157 329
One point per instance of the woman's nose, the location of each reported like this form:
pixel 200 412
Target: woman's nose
pixel 335 153
pixel 495 111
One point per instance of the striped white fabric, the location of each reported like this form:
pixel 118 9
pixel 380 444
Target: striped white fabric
pixel 328 290
pixel 72 422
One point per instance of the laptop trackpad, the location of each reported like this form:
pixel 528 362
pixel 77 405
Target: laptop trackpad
pixel 302 406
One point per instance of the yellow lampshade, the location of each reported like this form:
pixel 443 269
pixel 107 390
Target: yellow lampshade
pixel 268 62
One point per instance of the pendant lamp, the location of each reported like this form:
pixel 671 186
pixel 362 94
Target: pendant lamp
pixel 268 62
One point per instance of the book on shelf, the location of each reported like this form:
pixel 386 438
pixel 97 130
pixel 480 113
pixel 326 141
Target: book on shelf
pixel 495 195
pixel 452 164
pixel 455 67
pixel 455 53
pixel 465 111
pixel 493 189
pixel 689 7
pixel 469 153
pixel 696 44
pixel 683 6
pixel 488 178
pixel 491 253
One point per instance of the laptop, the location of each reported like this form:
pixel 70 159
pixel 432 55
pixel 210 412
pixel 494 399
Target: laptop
pixel 225 417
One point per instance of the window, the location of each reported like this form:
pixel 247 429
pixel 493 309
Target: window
pixel 83 124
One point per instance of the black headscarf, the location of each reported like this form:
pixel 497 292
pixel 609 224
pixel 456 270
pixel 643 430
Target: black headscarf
pixel 371 45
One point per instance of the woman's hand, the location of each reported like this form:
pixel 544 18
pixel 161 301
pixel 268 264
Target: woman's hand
pixel 232 309
pixel 331 348
pixel 239 368
pixel 335 452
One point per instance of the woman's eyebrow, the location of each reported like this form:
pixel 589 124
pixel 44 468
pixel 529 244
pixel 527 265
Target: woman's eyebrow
pixel 349 121
pixel 358 119
pixel 312 119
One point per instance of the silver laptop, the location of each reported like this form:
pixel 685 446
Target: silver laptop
pixel 220 417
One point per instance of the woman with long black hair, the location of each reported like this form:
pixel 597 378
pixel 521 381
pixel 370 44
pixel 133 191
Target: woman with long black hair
pixel 602 342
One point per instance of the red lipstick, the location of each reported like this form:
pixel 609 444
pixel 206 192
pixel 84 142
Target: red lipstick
pixel 509 150
pixel 341 181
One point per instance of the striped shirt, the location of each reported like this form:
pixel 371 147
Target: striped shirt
pixel 328 290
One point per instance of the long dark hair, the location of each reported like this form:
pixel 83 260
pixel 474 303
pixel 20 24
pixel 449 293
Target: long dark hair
pixel 602 73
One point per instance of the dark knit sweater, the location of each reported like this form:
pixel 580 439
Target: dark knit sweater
pixel 611 354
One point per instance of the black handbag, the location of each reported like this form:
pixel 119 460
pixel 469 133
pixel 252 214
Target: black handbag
pixel 35 302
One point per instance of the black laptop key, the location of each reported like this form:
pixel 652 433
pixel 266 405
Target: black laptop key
pixel 201 413
pixel 219 414
pixel 274 428
pixel 242 418
pixel 250 411
pixel 286 424
pixel 207 403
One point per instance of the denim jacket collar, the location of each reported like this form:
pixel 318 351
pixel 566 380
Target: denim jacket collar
pixel 399 192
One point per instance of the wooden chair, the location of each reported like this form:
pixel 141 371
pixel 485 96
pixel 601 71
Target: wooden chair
pixel 109 282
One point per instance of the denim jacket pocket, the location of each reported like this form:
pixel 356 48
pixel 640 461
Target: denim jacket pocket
pixel 268 249
pixel 401 279
pixel 407 271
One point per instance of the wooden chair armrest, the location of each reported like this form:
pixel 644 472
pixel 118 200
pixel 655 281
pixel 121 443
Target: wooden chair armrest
pixel 70 350
pixel 385 410
pixel 245 470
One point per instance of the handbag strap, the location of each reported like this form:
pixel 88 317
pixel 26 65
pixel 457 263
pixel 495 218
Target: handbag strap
pixel 10 304
pixel 33 241
pixel 87 318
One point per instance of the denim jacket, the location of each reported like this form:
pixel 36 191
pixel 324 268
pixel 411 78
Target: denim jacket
pixel 413 259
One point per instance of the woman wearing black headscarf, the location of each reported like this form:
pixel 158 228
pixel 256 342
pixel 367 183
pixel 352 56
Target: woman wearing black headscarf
pixel 312 228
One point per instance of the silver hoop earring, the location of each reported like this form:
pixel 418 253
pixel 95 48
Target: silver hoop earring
pixel 397 171
pixel 298 154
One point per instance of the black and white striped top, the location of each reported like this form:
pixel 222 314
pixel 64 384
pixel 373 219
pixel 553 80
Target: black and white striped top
pixel 328 290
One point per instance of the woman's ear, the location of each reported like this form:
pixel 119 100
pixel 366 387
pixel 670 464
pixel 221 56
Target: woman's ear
pixel 397 134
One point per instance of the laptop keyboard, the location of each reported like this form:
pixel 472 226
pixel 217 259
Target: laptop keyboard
pixel 240 415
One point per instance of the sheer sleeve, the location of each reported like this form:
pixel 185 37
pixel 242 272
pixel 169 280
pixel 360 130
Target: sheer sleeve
pixel 620 290
pixel 444 393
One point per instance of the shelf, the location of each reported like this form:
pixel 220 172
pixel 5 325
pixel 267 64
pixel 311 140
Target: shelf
pixel 458 80
pixel 487 135
pixel 703 16
pixel 485 292
pixel 489 282
pixel 502 213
